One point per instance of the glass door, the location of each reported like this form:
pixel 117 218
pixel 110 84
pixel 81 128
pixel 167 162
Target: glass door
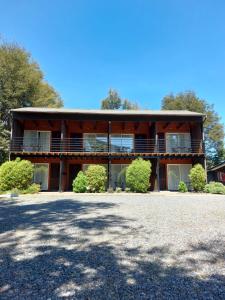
pixel 177 173
pixel 30 140
pixel 173 177
pixel 41 175
pixel 44 141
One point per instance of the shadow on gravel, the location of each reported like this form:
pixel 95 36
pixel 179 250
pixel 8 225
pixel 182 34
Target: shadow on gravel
pixel 14 216
pixel 100 270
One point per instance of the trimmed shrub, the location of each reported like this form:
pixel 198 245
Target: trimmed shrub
pixel 80 183
pixel 118 190
pixel 138 175
pixel 215 188
pixel 16 174
pixel 32 189
pixel 182 187
pixel 198 178
pixel 96 178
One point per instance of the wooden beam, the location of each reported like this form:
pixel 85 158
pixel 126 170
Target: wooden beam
pixel 179 125
pixel 35 122
pixel 166 125
pixel 50 123
pixel 95 125
pixel 136 125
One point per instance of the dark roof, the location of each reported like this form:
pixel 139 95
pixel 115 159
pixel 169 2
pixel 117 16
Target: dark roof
pixel 216 167
pixel 107 111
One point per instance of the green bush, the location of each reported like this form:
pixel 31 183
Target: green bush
pixel 80 183
pixel 215 188
pixel 96 178
pixel 198 178
pixel 118 190
pixel 32 189
pixel 16 174
pixel 182 187
pixel 138 175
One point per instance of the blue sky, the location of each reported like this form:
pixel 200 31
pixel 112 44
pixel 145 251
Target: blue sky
pixel 145 49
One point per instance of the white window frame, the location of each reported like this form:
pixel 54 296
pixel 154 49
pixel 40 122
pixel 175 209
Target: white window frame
pixel 176 133
pixel 37 131
pixel 94 134
pixel 48 173
pixel 167 171
pixel 122 134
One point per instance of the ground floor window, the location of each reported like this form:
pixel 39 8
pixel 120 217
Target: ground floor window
pixel 177 173
pixel 118 175
pixel 41 171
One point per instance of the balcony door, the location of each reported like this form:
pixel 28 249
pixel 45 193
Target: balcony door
pixel 177 173
pixel 122 142
pixel 178 142
pixel 36 141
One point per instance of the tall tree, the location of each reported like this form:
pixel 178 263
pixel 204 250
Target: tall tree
pixel 126 104
pixel 22 84
pixel 213 128
pixel 114 101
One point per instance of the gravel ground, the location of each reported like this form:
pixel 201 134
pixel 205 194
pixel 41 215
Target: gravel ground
pixel 66 246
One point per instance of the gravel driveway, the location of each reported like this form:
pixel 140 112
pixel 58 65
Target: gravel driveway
pixel 65 246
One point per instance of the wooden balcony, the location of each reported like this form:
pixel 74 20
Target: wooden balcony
pixel 104 147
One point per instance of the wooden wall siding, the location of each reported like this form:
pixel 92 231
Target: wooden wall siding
pixel 173 127
pixel 42 125
pixel 147 128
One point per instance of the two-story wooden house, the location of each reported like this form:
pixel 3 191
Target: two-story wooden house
pixel 61 142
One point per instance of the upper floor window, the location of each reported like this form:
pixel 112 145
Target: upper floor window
pixel 95 142
pixel 122 142
pixel 36 141
pixel 178 143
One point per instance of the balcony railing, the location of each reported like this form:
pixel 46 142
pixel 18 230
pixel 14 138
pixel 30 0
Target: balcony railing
pixel 19 144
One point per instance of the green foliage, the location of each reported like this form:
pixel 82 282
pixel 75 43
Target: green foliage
pixel 118 190
pixel 34 188
pixel 80 183
pixel 114 101
pixel 182 187
pixel 128 105
pixel 138 175
pixel 197 177
pixel 16 174
pixel 22 84
pixel 213 128
pixel 96 178
pixel 4 142
pixel 127 190
pixel 215 188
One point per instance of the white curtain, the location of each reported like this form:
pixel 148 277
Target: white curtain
pixel 177 173
pixel 178 142
pixel 30 140
pixel 41 175
pixel 44 141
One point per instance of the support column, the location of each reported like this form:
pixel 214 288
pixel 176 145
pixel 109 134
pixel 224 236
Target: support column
pixel 62 161
pixel 61 175
pixel 157 173
pixel 109 155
